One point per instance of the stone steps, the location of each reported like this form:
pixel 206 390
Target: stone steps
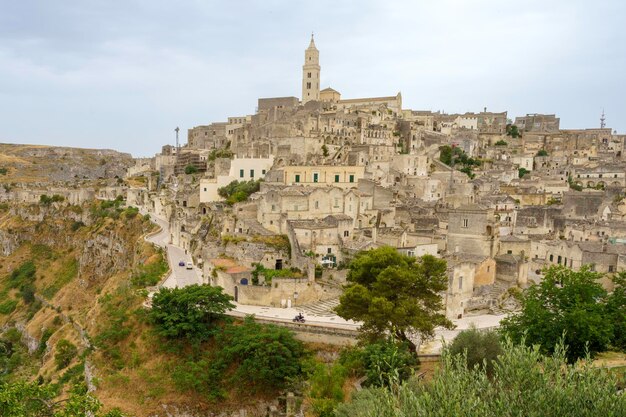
pixel 321 308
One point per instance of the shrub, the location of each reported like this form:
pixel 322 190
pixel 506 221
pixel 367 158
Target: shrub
pixel 46 200
pixel 326 388
pixel 8 307
pixel 191 169
pixel 151 274
pixel 480 348
pixel 501 143
pixel 387 363
pixel 77 225
pixel 65 352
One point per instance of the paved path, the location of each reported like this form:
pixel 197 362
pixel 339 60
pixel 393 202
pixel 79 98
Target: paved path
pixel 181 277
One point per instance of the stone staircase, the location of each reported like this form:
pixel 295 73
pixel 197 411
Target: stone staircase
pixel 256 228
pixel 321 308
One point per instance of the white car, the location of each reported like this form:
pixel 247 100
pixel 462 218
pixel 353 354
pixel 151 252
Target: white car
pixel 189 265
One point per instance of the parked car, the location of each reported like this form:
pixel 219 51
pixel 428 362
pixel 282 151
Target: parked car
pixel 181 263
pixel 189 265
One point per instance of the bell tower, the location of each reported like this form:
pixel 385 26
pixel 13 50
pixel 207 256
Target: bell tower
pixel 311 73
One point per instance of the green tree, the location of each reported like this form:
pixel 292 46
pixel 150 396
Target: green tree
pixel 524 383
pixel 260 356
pixel 191 169
pixel 542 152
pixel 237 191
pixel 513 131
pixel 324 150
pixel 566 302
pixel 479 348
pixel 616 310
pixel 522 171
pixel 191 312
pixel 65 352
pixel 395 294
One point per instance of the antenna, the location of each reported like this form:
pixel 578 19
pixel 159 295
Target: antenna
pixel 602 120
pixel 177 145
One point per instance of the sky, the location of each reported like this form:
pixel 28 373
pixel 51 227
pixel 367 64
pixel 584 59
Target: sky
pixel 123 74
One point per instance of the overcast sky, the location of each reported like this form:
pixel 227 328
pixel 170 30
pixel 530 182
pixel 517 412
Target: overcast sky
pixel 123 74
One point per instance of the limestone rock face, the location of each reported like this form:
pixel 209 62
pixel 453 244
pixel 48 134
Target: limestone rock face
pixel 9 242
pixel 34 163
pixel 104 255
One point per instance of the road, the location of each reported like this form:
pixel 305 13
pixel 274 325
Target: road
pixel 181 277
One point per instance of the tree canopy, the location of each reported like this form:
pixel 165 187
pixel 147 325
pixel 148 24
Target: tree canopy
pixel 569 303
pixel 238 191
pixel 190 312
pixel 395 294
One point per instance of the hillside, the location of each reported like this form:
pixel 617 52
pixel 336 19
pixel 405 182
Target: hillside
pixel 41 164
pixel 71 307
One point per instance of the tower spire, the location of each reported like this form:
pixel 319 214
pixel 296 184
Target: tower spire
pixel 602 120
pixel 311 73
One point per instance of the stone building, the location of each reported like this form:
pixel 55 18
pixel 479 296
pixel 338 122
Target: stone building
pixel 537 123
pixel 473 230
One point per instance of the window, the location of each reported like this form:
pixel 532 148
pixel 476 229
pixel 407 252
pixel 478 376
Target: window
pixel 263 172
pixel 336 177
pixel 204 188
pixel 610 268
pixel 241 173
pixel 309 75
pixel 351 178
pixel 251 173
pixel 308 85
pixel 558 260
pixel 330 250
pixel 346 234
pixel 297 177
pixel 317 204
pixel 551 258
pixel 336 202
pixel 315 176
pixel 460 283
pixel 465 222
pixel 273 207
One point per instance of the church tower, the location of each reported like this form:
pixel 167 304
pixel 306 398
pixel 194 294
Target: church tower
pixel 311 73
